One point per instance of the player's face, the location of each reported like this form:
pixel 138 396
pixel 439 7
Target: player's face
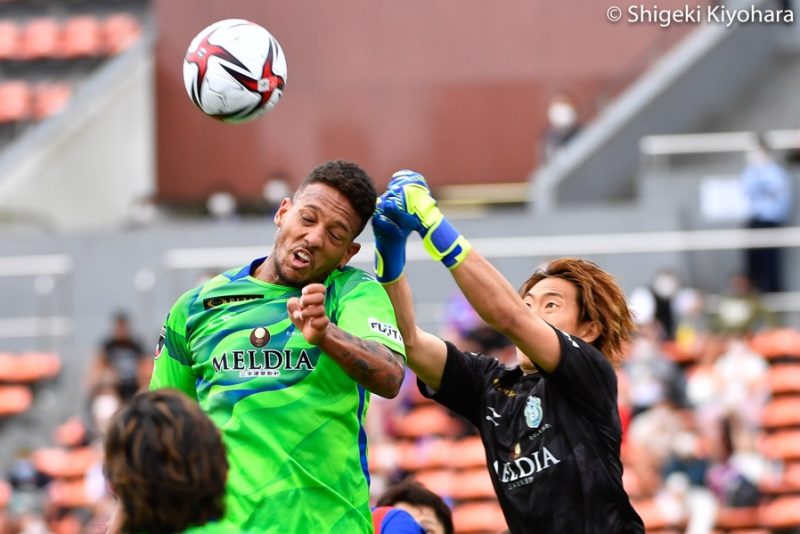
pixel 556 301
pixel 315 236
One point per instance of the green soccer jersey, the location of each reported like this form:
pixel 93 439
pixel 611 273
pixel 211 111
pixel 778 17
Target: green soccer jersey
pixel 291 418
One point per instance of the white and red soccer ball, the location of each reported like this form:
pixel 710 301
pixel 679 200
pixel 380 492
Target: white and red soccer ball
pixel 234 70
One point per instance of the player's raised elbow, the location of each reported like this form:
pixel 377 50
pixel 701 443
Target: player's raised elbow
pixel 390 387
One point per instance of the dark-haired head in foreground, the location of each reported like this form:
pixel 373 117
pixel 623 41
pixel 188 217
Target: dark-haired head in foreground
pixel 427 508
pixel 165 461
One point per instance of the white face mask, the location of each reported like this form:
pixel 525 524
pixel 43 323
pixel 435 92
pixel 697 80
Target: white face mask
pixel 103 407
pixel 561 115
pixel 665 285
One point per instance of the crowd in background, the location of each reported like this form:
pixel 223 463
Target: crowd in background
pixel 691 396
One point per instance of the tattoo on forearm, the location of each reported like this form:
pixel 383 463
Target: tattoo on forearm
pixel 373 365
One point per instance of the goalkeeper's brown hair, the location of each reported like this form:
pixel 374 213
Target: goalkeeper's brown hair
pixel 165 461
pixel 600 300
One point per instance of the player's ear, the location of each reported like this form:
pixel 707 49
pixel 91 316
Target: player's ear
pixel 352 250
pixel 284 206
pixel 589 331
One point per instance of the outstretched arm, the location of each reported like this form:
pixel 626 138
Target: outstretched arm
pixel 409 204
pixel 426 353
pixel 371 364
pixel 505 311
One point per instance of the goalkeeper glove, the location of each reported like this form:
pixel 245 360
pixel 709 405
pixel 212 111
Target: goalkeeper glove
pixel 390 246
pixel 409 203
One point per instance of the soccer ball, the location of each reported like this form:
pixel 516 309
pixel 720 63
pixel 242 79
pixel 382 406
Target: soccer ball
pixel 234 70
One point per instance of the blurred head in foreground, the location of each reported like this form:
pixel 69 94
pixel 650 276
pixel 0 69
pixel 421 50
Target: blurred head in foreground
pixel 165 461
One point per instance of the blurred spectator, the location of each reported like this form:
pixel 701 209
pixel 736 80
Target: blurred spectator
pixel 275 189
pixel 121 361
pixel 650 442
pixel 222 206
pixel 736 476
pixel 27 484
pixel 767 187
pixel 656 303
pixel 652 377
pixel 429 511
pixel 693 325
pixel 562 125
pixel 740 310
pixel 486 340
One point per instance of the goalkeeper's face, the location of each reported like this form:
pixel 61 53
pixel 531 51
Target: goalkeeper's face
pixel 316 230
pixel 556 301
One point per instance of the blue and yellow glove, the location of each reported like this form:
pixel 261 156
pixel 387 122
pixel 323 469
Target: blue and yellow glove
pixel 408 202
pixel 390 246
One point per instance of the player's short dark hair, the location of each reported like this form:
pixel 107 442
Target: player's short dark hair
pixel 351 181
pixel 412 492
pixel 165 461
pixel 600 300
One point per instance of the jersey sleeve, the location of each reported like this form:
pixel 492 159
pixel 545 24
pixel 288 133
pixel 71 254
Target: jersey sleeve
pixel 365 311
pixel 463 384
pixel 173 360
pixel 586 377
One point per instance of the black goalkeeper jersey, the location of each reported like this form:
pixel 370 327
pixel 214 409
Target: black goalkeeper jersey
pixel 552 440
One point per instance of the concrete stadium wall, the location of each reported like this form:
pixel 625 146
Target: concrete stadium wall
pixel 84 168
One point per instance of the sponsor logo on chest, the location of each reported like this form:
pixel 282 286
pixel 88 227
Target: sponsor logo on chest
pixel 263 362
pixel 521 471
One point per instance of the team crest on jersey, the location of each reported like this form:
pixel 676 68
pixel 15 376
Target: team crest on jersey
pixel 385 329
pixel 259 337
pixel 533 412
pixel 161 340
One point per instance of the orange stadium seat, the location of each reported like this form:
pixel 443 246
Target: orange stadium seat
pixel 737 518
pixel 426 420
pixel 439 481
pixel 41 38
pixel 5 494
pixel 15 101
pixel 120 31
pixel 784 378
pixel 788 483
pixel 14 400
pixel 781 445
pixel 652 516
pixel 71 432
pixel 69 494
pixel 472 484
pixel 468 452
pixel 50 98
pixel 9 39
pixel 35 366
pixel 777 343
pixel 426 454
pixel 781 412
pixel 781 513
pixel 478 517
pixel 65 463
pixel 82 37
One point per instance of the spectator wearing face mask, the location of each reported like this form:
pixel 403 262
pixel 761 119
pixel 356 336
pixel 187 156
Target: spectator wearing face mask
pixel 562 125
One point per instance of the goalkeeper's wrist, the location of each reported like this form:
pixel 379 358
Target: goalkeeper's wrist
pixel 444 243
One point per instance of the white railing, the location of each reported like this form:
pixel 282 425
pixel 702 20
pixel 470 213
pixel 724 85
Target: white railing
pixel 713 143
